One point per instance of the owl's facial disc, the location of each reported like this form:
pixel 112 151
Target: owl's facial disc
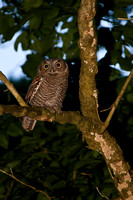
pixel 51 70
pixel 55 68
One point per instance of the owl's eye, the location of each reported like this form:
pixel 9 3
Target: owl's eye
pixel 46 66
pixel 58 65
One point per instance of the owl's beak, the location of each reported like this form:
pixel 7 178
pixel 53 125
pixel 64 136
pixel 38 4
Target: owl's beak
pixel 52 70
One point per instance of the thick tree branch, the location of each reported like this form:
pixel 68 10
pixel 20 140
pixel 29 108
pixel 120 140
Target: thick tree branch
pixel 112 153
pixel 72 117
pixel 87 44
pixel 105 144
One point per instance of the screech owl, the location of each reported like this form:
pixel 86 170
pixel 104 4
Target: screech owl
pixel 47 89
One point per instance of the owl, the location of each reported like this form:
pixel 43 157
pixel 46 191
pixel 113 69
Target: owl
pixel 47 89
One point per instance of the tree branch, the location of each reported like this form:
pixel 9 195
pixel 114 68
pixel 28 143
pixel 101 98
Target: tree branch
pixel 40 114
pixel 9 190
pixel 87 43
pixel 124 19
pixel 27 185
pixel 112 153
pixel 115 104
pixel 105 144
pixel 12 89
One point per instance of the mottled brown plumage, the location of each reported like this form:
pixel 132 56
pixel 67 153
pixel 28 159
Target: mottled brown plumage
pixel 47 89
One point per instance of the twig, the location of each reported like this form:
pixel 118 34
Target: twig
pixel 12 89
pixel 9 190
pixel 74 178
pixel 110 173
pixel 106 109
pixel 124 19
pixel 101 194
pixel 12 176
pixel 115 104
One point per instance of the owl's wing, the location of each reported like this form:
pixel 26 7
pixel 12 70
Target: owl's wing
pixel 33 88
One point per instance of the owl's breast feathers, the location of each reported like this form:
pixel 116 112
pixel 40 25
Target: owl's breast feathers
pixel 47 91
pixel 33 88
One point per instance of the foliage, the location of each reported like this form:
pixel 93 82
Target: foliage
pixel 53 157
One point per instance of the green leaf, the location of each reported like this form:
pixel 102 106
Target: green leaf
pixel 120 12
pixel 36 44
pixel 122 3
pixel 26 139
pixel 2 196
pixel 80 164
pixel 58 185
pixel 50 13
pixel 7 28
pixel 35 22
pixel 125 63
pixel 83 163
pixel 63 3
pixel 12 164
pixel 56 52
pixel 8 20
pixel 127 52
pixel 41 196
pixel 120 84
pixel 114 74
pixel 31 65
pixel 115 56
pixel 128 33
pixel 3 140
pixel 29 4
pixel 130 97
pixel 54 164
pixel 2 190
pixel 23 39
pixel 47 27
pixel 14 130
pixel 130 120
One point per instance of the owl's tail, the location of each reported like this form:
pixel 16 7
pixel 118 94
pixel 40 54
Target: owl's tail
pixel 28 123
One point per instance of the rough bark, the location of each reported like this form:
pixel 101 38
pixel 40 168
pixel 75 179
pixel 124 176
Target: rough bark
pixel 104 143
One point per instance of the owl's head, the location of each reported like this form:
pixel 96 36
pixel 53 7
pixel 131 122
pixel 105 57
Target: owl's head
pixel 53 67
